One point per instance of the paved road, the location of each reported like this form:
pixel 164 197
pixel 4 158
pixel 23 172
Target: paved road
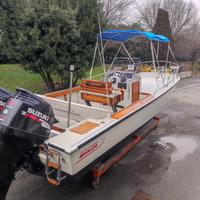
pixel 169 174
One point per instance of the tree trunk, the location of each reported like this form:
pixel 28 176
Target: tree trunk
pixel 51 82
pixel 75 80
pixel 46 76
pixel 44 79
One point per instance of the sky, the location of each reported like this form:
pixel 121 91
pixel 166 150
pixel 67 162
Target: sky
pixel 130 17
pixel 197 3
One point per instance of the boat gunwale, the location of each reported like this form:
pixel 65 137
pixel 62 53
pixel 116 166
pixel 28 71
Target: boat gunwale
pixel 116 122
pixel 62 93
pixel 138 103
pixel 73 103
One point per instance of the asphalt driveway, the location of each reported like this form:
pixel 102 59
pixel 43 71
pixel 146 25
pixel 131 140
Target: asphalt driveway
pixel 166 165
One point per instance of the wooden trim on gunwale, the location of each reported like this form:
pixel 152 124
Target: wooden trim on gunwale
pixel 133 107
pixel 84 128
pixel 62 93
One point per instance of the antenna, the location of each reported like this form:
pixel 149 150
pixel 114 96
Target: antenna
pixel 103 58
pixel 101 40
pixel 70 94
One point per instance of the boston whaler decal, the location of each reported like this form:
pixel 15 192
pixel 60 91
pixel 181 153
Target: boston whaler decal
pixel 91 149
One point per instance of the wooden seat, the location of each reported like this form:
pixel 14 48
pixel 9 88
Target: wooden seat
pixel 100 92
pixel 96 86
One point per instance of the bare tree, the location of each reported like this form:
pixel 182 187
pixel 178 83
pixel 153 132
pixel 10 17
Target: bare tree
pixel 187 47
pixel 117 9
pixel 194 43
pixel 148 12
pixel 182 13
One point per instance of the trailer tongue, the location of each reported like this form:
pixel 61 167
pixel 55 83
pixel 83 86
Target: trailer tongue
pixel 25 123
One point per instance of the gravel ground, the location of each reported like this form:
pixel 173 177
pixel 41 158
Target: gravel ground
pixel 168 173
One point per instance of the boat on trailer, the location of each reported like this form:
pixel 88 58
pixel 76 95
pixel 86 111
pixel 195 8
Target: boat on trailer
pixel 69 131
pixel 105 112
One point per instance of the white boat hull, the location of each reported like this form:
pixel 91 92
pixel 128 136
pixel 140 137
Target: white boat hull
pixel 91 151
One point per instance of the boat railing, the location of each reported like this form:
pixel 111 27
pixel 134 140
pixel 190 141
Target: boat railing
pixel 163 69
pixel 166 72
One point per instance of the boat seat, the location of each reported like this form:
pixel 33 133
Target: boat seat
pixel 100 92
pixel 96 86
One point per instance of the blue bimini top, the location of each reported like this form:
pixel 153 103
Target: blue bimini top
pixel 124 35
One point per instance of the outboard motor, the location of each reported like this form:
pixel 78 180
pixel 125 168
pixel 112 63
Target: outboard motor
pixel 25 123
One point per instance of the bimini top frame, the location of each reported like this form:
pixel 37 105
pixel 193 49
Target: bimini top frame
pixel 121 36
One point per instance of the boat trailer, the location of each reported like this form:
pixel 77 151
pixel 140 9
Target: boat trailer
pixel 13 140
pixel 102 167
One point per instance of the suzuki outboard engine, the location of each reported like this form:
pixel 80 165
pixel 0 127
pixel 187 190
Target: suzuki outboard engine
pixel 25 123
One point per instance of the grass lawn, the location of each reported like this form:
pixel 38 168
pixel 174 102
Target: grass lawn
pixel 96 74
pixel 13 75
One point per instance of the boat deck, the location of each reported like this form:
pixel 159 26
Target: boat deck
pixel 81 131
pixel 88 121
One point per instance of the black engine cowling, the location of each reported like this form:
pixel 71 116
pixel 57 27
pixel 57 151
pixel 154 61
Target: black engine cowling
pixel 4 96
pixel 25 123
